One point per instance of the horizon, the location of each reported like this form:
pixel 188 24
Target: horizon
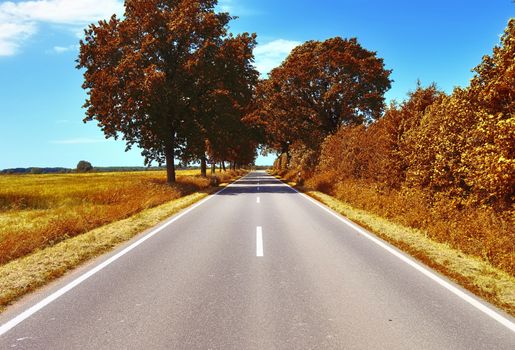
pixel 41 96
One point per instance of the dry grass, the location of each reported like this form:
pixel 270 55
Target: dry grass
pixel 41 210
pixel 110 208
pixel 403 219
pixel 477 275
pixel 479 231
pixel 25 274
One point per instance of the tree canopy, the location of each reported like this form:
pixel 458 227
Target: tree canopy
pixel 151 74
pixel 321 86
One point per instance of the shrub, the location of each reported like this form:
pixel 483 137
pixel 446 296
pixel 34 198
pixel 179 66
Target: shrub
pixel 84 166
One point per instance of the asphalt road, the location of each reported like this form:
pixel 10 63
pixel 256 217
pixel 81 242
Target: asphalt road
pixel 257 266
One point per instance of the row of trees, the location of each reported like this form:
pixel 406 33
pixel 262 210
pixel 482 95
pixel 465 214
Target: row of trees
pixel 320 87
pixel 438 162
pixel 459 146
pixel 169 78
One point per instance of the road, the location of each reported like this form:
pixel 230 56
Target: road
pixel 256 266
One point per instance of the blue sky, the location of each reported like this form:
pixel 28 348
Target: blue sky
pixel 40 89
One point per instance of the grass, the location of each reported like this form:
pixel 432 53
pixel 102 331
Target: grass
pixel 109 208
pixel 485 231
pixel 475 274
pixel 42 210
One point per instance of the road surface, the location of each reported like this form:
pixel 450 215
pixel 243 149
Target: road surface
pixel 256 266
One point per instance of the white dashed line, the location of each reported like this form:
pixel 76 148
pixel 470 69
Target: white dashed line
pixel 259 241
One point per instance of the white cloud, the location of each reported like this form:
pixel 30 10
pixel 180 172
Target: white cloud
pixel 63 49
pixel 270 55
pixel 77 141
pixel 20 20
pixel 11 34
pixel 236 8
pixel 226 5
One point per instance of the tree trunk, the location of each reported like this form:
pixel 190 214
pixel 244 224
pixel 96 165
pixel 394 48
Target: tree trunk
pixel 223 165
pixel 170 163
pixel 285 153
pixel 203 167
pixel 213 168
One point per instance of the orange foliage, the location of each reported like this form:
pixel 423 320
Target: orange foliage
pixel 440 163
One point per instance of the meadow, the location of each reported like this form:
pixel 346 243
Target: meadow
pixel 38 211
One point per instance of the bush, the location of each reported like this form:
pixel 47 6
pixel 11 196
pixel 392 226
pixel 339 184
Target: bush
pixel 84 167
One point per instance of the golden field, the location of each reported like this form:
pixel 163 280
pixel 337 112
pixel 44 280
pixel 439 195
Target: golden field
pixel 41 210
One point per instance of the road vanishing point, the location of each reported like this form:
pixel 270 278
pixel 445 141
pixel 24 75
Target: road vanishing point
pixel 255 266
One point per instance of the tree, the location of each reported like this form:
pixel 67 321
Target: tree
pixel 84 167
pixel 491 145
pixel 141 73
pixel 222 95
pixel 318 88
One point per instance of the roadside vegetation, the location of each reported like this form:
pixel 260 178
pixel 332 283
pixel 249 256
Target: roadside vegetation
pixel 38 211
pixel 435 162
pixel 433 174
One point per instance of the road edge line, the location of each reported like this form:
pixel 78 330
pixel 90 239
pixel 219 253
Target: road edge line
pixel 479 305
pixel 13 322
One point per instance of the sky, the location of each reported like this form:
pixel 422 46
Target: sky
pixel 40 89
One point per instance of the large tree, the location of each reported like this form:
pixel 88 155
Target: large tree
pixel 142 71
pixel 318 88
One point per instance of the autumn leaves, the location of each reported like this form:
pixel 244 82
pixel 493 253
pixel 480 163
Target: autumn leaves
pixel 437 162
pixel 320 87
pixel 171 80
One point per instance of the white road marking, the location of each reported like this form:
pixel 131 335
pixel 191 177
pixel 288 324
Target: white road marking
pixel 259 241
pixel 63 290
pixel 258 200
pixel 408 260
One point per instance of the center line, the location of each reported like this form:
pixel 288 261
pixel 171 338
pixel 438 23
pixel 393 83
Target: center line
pixel 259 241
pixel 258 200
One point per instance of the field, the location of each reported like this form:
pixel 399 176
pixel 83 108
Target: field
pixel 41 210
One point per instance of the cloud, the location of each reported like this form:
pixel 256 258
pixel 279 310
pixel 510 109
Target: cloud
pixel 270 55
pixel 77 141
pixel 226 5
pixel 11 34
pixel 235 8
pixel 20 20
pixel 63 49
